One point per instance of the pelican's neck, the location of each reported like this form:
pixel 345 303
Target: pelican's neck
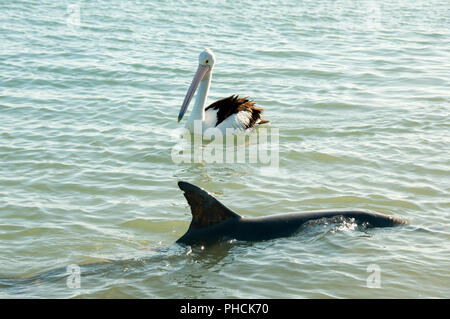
pixel 198 112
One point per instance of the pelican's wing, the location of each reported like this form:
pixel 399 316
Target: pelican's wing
pixel 234 112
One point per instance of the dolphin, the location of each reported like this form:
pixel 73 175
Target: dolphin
pixel 213 222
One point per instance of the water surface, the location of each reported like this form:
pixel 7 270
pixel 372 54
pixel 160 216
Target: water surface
pixel 89 96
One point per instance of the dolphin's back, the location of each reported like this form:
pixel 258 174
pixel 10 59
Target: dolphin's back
pixel 283 225
pixel 213 221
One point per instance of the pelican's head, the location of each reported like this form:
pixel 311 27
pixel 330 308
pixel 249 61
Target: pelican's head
pixel 207 58
pixel 206 62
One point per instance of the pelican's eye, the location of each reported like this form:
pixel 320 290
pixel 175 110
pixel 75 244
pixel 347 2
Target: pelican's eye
pixel 206 61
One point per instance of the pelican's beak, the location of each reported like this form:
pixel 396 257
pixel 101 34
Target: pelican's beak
pixel 198 77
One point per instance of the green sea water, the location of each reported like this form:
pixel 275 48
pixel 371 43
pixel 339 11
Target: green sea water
pixel 90 91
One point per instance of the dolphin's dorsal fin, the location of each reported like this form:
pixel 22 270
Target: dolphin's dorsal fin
pixel 206 210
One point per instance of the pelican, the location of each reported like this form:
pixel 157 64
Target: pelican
pixel 231 114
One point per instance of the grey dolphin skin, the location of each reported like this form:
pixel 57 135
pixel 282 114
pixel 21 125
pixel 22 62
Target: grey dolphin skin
pixel 213 222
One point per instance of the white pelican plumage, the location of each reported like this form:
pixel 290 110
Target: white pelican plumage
pixel 237 114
